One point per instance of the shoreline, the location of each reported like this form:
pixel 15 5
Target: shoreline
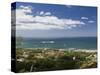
pixel 60 49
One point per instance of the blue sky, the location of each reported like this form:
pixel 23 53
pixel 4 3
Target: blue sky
pixel 54 21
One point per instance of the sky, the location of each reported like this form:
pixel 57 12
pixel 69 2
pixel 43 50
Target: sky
pixel 54 21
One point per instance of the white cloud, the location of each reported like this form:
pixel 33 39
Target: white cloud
pixel 84 18
pixel 25 9
pixel 91 21
pixel 45 22
pixel 42 12
pixel 45 13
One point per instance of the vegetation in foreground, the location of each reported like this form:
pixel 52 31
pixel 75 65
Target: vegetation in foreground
pixel 32 60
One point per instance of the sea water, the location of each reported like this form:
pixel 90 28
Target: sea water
pixel 59 43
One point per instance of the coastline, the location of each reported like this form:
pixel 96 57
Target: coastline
pixel 60 49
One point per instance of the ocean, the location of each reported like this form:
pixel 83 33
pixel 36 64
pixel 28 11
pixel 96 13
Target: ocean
pixel 59 43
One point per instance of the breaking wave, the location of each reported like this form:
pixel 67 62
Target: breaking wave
pixel 48 42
